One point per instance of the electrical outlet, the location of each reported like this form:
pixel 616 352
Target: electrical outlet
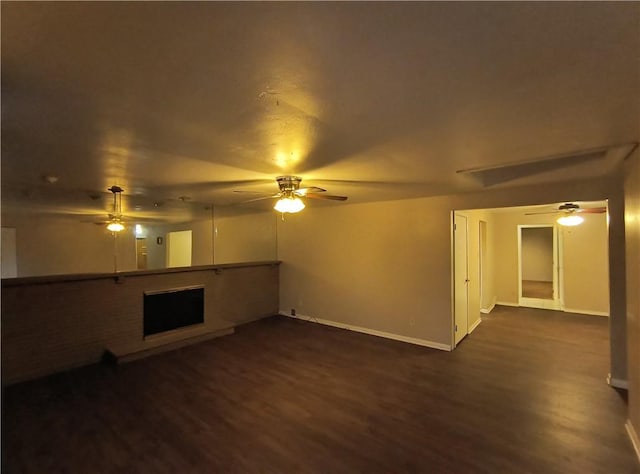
pixel 293 311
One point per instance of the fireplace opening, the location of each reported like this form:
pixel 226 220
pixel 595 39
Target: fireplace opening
pixel 166 310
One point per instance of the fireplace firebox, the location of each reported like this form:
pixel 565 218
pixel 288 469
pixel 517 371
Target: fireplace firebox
pixel 166 310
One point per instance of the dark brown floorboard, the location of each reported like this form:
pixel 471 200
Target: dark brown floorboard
pixel 525 393
pixel 537 289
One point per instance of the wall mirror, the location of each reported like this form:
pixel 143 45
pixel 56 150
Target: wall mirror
pixel 42 244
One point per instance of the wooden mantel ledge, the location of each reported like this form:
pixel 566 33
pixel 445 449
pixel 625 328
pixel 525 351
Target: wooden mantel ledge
pixel 45 279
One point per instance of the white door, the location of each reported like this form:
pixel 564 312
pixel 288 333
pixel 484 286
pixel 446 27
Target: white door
pixel 461 277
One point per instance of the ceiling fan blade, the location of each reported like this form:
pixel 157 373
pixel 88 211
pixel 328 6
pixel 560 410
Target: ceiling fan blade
pixel 537 213
pixel 251 192
pixel 310 189
pixel 329 197
pixel 141 219
pixel 594 210
pixel 96 222
pixel 262 198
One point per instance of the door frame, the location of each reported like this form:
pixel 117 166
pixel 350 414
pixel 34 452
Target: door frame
pixel 482 260
pixel 556 302
pixel 454 273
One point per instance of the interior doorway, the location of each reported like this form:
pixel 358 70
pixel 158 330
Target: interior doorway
pixel 538 276
pixel 576 258
pixel 141 253
pixel 179 249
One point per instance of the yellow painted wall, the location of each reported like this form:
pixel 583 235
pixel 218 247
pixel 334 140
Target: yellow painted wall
pixel 632 219
pixel 586 265
pixel 383 266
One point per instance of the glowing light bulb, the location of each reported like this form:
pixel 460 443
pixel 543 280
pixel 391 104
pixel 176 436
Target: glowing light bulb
pixel 570 220
pixel 115 226
pixel 289 204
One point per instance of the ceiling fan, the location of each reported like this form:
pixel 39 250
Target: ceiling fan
pixel 290 194
pixel 115 221
pixel 570 213
pixel 115 224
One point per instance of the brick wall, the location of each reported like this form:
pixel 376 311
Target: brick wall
pixel 52 325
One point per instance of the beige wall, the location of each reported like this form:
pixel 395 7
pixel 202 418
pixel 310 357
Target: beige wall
pixel 586 265
pixel 8 256
pixel 383 266
pixel 584 261
pixel 632 219
pixel 244 236
pixel 386 266
pixel 537 253
pixel 53 246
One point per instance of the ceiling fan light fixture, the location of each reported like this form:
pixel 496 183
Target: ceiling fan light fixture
pixel 290 204
pixel 115 226
pixel 570 220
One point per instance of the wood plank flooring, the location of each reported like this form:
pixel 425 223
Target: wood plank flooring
pixel 537 289
pixel 525 393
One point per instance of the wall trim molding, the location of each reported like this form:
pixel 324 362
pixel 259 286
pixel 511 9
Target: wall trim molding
pixel 488 310
pixel 586 311
pixel 618 383
pixel 371 332
pixel 504 303
pixel 566 310
pixel 635 440
pixel 475 325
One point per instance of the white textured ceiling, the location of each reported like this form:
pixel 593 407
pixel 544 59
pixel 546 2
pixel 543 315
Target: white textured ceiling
pixel 372 100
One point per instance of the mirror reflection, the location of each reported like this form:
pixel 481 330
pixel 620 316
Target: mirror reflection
pixel 537 262
pixel 43 244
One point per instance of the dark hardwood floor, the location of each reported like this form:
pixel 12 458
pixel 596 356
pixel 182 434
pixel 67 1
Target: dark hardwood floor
pixel 525 393
pixel 537 289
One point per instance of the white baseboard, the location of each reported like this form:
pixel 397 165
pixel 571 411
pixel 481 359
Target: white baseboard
pixel 372 332
pixel 504 303
pixel 586 311
pixel 634 437
pixel 474 325
pixel 617 383
pixel 488 310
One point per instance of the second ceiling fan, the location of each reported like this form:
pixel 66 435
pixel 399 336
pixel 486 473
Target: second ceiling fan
pixel 570 213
